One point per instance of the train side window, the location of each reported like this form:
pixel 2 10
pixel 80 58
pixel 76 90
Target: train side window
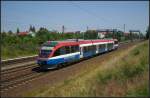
pixel 110 45
pixel 94 47
pixel 102 46
pixel 72 49
pixel 76 48
pixel 57 52
pixel 62 51
pixel 67 49
pixel 89 48
pixel 84 49
pixel 99 46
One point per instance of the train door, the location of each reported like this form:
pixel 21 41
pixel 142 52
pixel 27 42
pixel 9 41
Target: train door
pixel 81 52
pixel 106 47
pixel 94 49
pixel 97 49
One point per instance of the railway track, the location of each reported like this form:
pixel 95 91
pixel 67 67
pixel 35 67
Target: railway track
pixel 10 62
pixel 17 71
pixel 19 75
pixel 13 73
pixel 12 78
pixel 19 80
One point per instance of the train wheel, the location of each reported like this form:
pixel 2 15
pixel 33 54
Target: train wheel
pixel 58 66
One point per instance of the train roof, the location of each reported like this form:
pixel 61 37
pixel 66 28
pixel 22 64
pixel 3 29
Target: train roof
pixel 95 41
pixel 54 43
pixel 75 42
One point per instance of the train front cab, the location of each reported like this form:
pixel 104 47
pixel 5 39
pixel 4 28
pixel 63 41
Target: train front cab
pixel 61 56
pixel 116 44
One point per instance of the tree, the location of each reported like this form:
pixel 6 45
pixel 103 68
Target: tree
pixel 147 33
pixel 33 29
pixel 91 34
pixel 42 35
pixel 17 30
pixel 30 29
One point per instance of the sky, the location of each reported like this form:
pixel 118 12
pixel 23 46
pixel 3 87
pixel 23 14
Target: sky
pixel 75 15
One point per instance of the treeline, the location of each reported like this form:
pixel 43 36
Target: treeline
pixel 44 34
pixel 16 45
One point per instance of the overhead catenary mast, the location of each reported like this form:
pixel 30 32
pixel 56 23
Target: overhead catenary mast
pixel 124 28
pixel 63 29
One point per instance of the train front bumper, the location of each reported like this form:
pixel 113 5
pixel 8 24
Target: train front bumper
pixel 46 65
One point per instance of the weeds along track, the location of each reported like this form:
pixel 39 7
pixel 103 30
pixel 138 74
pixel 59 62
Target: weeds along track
pixel 16 72
pixel 19 80
pixel 17 60
pixel 16 76
pixel 15 69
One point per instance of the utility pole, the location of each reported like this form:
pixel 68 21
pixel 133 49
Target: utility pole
pixel 83 34
pixel 131 36
pixel 87 28
pixel 113 33
pixel 124 28
pixel 139 35
pixel 63 29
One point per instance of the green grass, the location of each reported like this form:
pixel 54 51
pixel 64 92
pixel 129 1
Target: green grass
pixel 123 75
pixel 139 89
pixel 15 51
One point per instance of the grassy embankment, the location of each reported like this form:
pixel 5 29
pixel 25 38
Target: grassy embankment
pixel 9 52
pixel 124 75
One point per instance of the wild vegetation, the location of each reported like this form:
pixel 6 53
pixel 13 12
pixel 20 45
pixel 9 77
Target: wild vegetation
pixel 14 45
pixel 126 74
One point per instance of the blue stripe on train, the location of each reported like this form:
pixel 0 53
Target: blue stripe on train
pixel 101 50
pixel 59 60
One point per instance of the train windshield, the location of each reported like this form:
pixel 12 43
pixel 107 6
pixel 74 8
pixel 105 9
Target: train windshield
pixel 45 53
pixel 47 48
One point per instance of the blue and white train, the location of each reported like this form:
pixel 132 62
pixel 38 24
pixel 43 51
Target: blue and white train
pixel 54 54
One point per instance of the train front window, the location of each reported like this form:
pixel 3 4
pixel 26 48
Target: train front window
pixel 45 53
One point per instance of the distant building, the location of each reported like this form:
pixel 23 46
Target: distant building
pixel 77 31
pixel 23 33
pixel 102 34
pixel 26 33
pixel 32 33
pixel 126 34
pixel 69 32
